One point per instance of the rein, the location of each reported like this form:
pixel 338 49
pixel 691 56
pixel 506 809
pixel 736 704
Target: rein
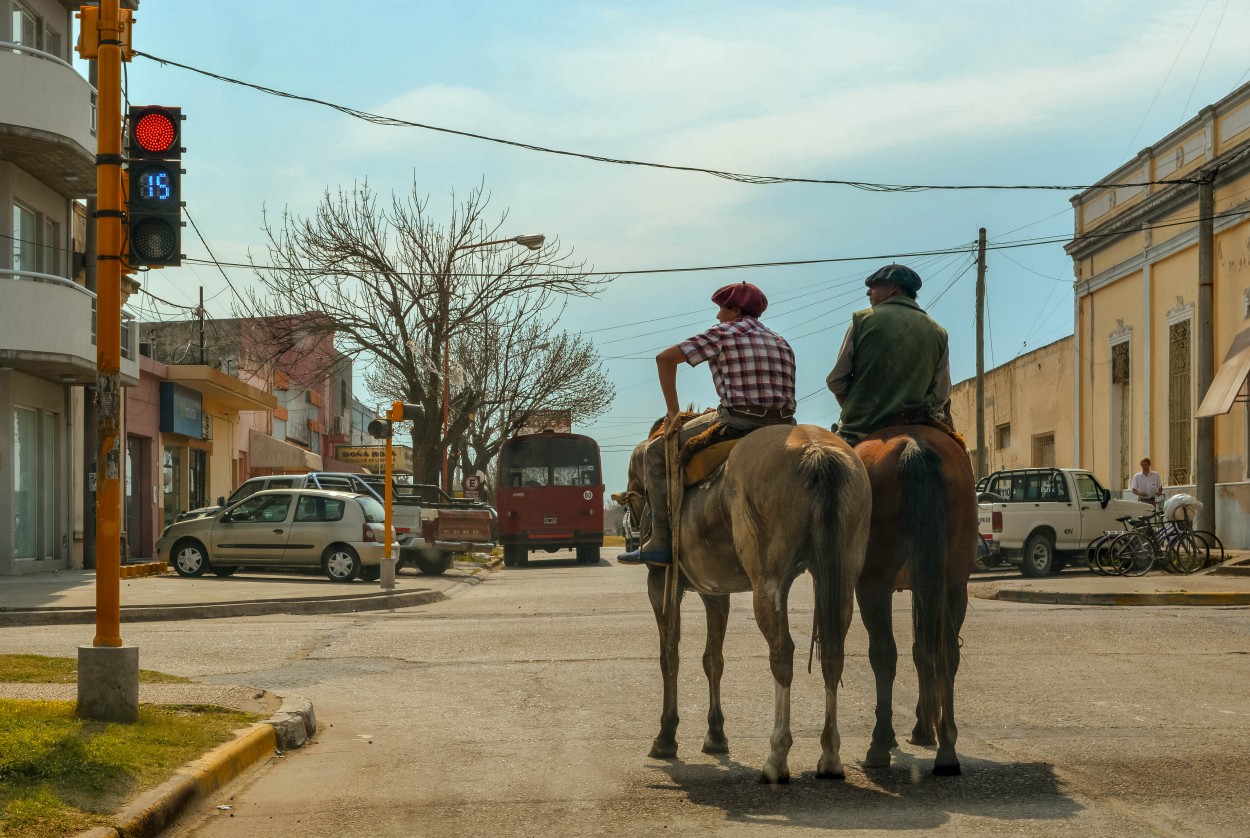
pixel 676 491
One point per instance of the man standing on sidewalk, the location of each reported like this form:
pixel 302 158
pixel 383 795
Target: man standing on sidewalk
pixel 1147 485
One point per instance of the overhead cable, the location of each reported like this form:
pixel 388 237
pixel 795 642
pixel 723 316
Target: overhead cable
pixel 868 186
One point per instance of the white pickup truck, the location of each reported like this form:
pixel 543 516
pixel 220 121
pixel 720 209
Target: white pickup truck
pixel 1044 517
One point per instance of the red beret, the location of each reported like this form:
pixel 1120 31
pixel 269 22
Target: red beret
pixel 742 295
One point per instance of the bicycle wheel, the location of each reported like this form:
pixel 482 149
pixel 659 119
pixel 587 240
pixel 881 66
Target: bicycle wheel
pixel 1215 547
pixel 1094 548
pixel 1187 553
pixel 1136 554
pixel 1105 557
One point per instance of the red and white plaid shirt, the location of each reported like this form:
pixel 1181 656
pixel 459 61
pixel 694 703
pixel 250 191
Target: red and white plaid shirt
pixel 751 364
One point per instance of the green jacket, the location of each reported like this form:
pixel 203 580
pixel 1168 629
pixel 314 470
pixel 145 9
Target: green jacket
pixel 894 359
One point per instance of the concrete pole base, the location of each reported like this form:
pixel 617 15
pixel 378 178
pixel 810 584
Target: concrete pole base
pixel 108 683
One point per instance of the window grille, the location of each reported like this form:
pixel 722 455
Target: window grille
pixel 1180 404
pixel 1121 374
pixel 1044 450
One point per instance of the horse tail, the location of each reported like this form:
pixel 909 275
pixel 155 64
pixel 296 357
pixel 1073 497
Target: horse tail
pixel 826 477
pixel 923 540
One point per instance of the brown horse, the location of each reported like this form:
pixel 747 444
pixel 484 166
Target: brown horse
pixel 789 499
pixel 924 534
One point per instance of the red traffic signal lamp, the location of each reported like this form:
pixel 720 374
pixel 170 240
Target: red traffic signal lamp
pixel 154 202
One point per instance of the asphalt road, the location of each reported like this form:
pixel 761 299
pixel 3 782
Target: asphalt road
pixel 527 705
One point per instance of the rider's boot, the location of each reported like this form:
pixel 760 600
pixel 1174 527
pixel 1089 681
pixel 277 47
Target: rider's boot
pixel 657 549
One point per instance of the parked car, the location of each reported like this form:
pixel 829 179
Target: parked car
pixel 340 532
pixel 1042 518
pixel 430 526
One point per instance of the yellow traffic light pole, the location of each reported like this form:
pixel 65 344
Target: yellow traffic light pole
pixel 111 239
pixel 108 672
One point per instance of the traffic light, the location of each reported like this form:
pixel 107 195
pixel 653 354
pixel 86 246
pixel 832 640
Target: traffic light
pixel 382 427
pixel 154 205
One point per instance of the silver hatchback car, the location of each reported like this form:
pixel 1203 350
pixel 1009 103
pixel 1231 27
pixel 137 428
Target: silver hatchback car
pixel 340 532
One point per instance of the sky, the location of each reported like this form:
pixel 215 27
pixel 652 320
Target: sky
pixel 893 92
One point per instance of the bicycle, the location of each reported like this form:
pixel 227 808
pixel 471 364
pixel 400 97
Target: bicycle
pixel 1145 542
pixel 1155 541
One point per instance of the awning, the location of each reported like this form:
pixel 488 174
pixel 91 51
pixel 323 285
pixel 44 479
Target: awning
pixel 266 452
pixel 1229 379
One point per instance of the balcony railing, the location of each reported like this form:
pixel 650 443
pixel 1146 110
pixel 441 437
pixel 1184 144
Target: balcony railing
pixel 65 312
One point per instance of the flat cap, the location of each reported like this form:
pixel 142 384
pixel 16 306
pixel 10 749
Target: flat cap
pixel 742 295
pixel 900 275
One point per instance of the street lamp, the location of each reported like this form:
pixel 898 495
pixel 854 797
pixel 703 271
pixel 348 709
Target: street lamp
pixel 532 241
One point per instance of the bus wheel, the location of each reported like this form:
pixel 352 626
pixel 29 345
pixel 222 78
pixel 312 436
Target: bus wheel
pixel 588 554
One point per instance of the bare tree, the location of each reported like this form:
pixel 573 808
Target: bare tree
pixel 395 285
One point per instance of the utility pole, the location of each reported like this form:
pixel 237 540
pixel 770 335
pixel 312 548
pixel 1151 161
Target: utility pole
pixel 200 312
pixel 108 672
pixel 981 458
pixel 1204 429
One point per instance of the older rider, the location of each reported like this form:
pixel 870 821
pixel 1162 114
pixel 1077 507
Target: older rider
pixel 894 366
pixel 753 370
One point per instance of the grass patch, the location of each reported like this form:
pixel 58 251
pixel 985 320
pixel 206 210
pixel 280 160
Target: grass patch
pixel 37 669
pixel 60 774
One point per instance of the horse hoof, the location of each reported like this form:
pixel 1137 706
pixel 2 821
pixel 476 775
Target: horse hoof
pixel 950 770
pixel 830 775
pixel 922 741
pixel 769 779
pixel 714 745
pixel 663 750
pixel 877 759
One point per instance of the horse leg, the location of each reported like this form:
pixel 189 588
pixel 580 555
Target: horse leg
pixel 717 608
pixel 770 615
pixel 947 762
pixel 874 608
pixel 665 745
pixel 832 659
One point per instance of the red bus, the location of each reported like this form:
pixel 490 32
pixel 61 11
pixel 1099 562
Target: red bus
pixel 550 496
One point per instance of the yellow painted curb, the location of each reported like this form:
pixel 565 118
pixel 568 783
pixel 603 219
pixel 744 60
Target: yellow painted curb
pixel 153 812
pixel 1207 598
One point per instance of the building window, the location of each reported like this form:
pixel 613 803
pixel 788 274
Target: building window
pixel 1043 450
pixel 51 262
pixel 1121 412
pixel 1002 436
pixel 25 27
pixel 34 484
pixel 25 239
pixel 1180 404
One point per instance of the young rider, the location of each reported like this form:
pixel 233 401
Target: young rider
pixel 753 371
pixel 894 366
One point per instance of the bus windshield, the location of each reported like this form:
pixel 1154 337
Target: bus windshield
pixel 551 461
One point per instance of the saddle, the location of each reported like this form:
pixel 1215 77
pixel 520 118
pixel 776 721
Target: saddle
pixel 920 416
pixel 704 454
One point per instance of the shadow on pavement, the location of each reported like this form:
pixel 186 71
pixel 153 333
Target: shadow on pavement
pixel 903 796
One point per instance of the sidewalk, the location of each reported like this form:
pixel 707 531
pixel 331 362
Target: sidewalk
pixel 69 596
pixel 1222 585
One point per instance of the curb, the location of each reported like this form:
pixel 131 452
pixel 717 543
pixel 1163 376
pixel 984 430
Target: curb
pixel 1212 598
pixel 349 603
pixel 153 812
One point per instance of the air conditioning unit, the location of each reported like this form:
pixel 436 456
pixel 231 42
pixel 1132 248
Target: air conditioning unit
pixel 338 425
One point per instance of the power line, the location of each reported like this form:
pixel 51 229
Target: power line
pixel 739 177
pixel 944 251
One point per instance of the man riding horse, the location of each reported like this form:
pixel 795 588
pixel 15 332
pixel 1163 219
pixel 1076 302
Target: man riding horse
pixel 892 379
pixel 894 366
pixel 753 370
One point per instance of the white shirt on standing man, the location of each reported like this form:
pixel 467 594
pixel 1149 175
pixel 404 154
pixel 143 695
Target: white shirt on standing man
pixel 1147 485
